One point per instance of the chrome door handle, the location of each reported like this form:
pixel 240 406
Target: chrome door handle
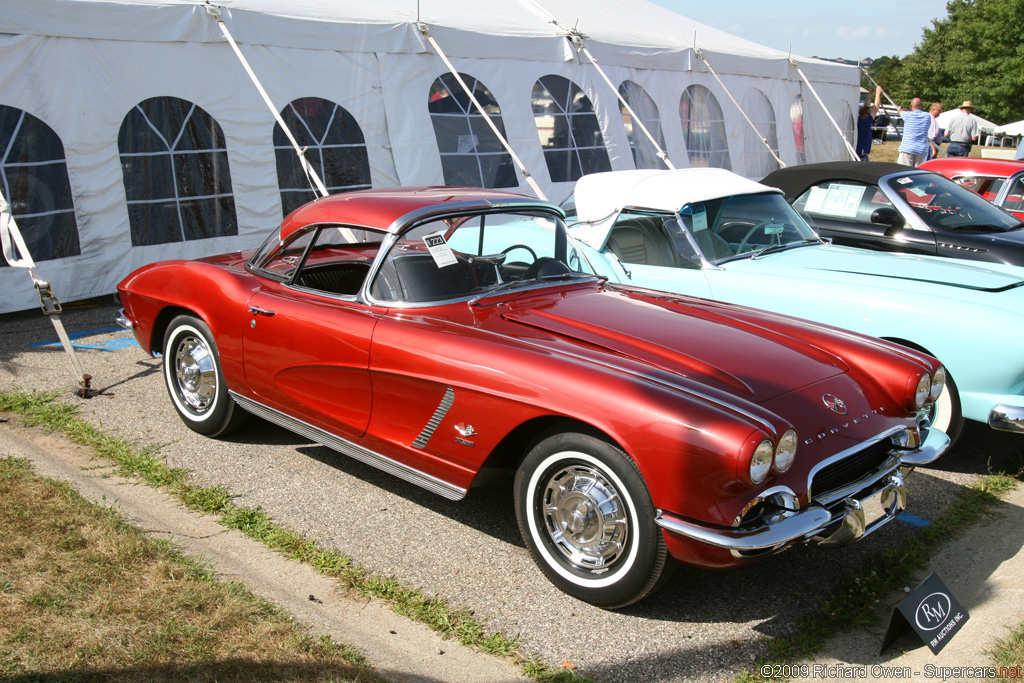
pixel 255 310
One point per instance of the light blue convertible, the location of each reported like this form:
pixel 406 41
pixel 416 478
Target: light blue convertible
pixel 714 234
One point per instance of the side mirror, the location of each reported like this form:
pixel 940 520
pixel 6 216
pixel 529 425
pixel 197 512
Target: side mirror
pixel 887 215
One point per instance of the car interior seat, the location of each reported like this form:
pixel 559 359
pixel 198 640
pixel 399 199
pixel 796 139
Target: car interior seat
pixel 642 240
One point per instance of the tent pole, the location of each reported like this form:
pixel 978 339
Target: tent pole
pixel 11 239
pixel 853 152
pixel 895 106
pixel 764 140
pixel 525 172
pixel 301 151
pixel 577 39
pixel 874 83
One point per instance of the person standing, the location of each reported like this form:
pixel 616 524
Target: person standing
pixel 916 122
pixel 934 132
pixel 962 131
pixel 865 123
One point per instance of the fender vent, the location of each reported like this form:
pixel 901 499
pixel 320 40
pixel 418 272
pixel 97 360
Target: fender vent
pixel 442 410
pixel 958 247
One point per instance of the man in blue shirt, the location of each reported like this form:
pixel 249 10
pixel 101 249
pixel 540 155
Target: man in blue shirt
pixel 914 148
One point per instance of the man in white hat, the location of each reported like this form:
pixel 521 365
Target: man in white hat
pixel 962 131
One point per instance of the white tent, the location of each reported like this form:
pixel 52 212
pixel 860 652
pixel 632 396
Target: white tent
pixel 133 133
pixel 1014 129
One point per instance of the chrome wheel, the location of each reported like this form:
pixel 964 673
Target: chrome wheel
pixel 584 517
pixel 195 380
pixel 587 519
pixel 196 374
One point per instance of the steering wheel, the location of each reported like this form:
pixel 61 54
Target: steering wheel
pixel 750 233
pixel 544 267
pixel 520 246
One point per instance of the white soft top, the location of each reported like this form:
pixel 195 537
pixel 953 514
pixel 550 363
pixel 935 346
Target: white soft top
pixel 601 196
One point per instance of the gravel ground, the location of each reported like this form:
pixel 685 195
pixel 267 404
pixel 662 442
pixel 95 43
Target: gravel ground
pixel 704 626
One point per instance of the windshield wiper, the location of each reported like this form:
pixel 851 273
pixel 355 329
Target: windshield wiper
pixel 771 249
pixel 987 227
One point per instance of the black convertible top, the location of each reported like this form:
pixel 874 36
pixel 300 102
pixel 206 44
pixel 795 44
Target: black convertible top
pixel 796 180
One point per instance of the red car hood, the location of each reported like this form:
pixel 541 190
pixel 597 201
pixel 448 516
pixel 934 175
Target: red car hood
pixel 692 338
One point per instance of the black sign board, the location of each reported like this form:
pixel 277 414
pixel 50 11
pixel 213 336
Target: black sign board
pixel 931 611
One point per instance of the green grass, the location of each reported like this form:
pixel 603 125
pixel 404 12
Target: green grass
pixel 86 597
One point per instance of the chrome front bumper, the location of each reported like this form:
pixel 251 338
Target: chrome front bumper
pixel 869 507
pixel 1007 418
pixel 122 320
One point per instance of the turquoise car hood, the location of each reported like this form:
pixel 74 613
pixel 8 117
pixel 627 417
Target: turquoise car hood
pixel 908 272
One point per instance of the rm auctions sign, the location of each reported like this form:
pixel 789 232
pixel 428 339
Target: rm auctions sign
pixel 931 611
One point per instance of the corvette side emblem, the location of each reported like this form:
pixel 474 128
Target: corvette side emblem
pixel 465 429
pixel 834 403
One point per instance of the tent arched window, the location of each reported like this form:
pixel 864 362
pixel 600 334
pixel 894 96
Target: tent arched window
pixel 471 154
pixel 796 116
pixel 569 130
pixel 176 176
pixel 759 160
pixel 704 127
pixel 34 179
pixel 335 148
pixel 842 112
pixel 645 155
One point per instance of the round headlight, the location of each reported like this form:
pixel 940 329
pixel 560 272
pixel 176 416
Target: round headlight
pixel 938 383
pixel 785 452
pixel 924 390
pixel 761 462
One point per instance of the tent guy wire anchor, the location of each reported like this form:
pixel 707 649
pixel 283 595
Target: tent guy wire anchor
pixel 13 242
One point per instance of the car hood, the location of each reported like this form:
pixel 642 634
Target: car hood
pixel 693 339
pixel 906 272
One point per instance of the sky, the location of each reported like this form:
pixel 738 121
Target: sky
pixel 820 28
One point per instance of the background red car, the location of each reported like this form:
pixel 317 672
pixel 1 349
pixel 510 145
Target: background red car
pixel 997 180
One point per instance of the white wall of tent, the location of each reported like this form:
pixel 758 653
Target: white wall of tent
pixel 130 130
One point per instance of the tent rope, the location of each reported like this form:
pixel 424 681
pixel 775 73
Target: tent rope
pixel 523 170
pixel 577 39
pixel 700 55
pixel 17 254
pixel 307 168
pixel 853 152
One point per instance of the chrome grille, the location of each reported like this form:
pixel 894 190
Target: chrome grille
pixel 850 469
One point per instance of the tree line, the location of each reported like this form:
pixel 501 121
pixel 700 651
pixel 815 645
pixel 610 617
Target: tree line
pixel 975 53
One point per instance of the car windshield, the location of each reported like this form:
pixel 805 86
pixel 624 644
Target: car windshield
pixel 472 255
pixel 741 226
pixel 944 205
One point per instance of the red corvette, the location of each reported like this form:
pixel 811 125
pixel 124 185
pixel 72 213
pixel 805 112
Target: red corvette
pixel 997 180
pixel 447 334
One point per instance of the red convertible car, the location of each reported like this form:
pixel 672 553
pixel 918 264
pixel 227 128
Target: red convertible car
pixel 997 180
pixel 446 335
